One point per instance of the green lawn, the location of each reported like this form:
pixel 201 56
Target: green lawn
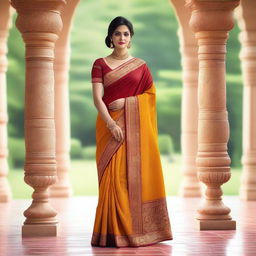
pixel 84 179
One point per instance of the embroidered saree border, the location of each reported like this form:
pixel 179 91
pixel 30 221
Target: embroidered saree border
pixel 132 240
pixel 132 119
pixel 155 216
pixel 110 149
pixel 97 66
pixel 121 71
pixel 96 80
pixel 156 228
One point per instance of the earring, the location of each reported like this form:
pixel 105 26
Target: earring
pixel 129 45
pixel 111 44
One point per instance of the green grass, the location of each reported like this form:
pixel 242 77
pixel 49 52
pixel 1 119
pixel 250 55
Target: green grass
pixel 83 176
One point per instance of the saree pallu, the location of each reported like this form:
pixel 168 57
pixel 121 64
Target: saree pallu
pixel 132 208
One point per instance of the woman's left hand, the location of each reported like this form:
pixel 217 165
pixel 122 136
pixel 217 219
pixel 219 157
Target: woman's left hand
pixel 117 104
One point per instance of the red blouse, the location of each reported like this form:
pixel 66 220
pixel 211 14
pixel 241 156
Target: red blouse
pixel 128 79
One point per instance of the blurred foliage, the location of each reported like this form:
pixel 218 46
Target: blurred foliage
pixel 169 110
pixel 234 107
pixel 155 41
pixel 165 144
pixel 89 152
pixel 16 147
pixel 75 148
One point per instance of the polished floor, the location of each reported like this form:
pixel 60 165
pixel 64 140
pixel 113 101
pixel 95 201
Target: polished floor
pixel 76 216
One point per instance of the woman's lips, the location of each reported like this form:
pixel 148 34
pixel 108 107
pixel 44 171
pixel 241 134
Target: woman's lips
pixel 121 43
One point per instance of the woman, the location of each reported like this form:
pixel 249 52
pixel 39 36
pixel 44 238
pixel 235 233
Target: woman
pixel 132 208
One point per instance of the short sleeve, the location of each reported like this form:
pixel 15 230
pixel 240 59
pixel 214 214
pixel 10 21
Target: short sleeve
pixel 96 72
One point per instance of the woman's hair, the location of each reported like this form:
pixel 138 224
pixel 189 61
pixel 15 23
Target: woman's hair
pixel 118 21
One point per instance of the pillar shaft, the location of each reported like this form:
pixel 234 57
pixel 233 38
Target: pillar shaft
pixel 190 186
pixel 211 21
pixel 40 23
pixel 246 22
pixel 62 187
pixel 5 22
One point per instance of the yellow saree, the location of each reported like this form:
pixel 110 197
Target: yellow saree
pixel 132 208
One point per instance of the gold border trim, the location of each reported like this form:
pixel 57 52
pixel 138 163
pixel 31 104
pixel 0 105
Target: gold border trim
pixel 110 149
pixel 132 119
pixel 130 240
pixel 97 80
pixel 97 66
pixel 155 216
pixel 156 223
pixel 121 71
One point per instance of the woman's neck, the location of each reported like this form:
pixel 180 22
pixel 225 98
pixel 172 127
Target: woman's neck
pixel 120 54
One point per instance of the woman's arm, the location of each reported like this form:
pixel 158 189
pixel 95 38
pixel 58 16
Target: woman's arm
pixel 97 89
pixel 116 131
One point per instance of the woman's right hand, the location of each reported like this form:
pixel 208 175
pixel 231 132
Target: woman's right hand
pixel 117 132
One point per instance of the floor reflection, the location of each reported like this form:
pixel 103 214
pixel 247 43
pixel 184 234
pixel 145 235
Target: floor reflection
pixel 157 249
pixel 76 216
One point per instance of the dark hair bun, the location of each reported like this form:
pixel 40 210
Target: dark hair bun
pixel 108 41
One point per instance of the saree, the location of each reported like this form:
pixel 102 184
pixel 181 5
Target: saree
pixel 132 209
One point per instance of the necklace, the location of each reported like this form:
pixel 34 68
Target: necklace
pixel 119 57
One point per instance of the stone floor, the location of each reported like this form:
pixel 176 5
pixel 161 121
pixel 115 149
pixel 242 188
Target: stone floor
pixel 76 216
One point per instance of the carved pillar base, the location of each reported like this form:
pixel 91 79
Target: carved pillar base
pixel 5 192
pixel 216 225
pixel 62 188
pixel 40 230
pixel 247 195
pixel 5 198
pixel 61 191
pixel 189 190
pixel 248 189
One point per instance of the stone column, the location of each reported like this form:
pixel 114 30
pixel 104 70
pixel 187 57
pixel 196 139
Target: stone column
pixel 39 22
pixel 5 22
pixel 62 187
pixel 246 21
pixel 211 21
pixel 190 186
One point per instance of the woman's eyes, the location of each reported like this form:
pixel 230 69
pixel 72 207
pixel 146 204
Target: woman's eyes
pixel 118 34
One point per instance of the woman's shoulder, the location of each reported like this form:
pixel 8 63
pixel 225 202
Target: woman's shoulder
pixel 97 61
pixel 143 64
pixel 139 60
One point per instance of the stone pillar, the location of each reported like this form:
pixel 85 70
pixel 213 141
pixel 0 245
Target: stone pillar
pixel 211 21
pixel 62 187
pixel 5 22
pixel 190 186
pixel 39 22
pixel 246 21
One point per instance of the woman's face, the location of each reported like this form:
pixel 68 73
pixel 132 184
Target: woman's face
pixel 121 36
